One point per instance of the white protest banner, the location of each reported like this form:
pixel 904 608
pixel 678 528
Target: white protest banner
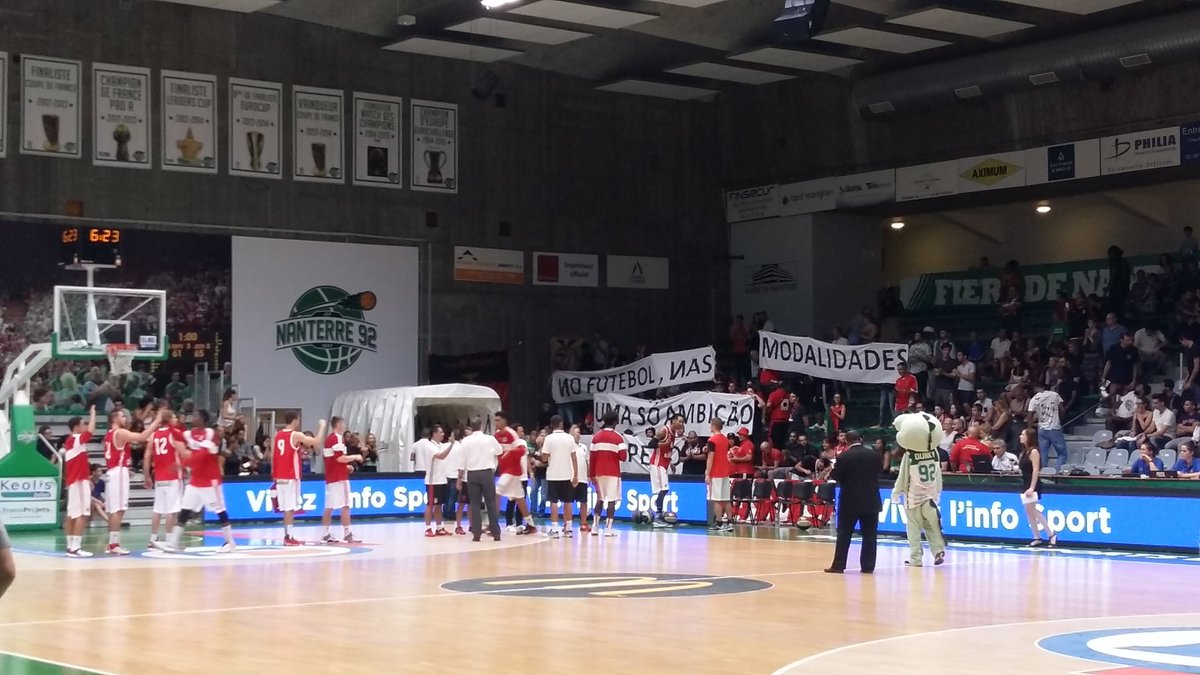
pixel 255 128
pixel 377 140
pixel 654 371
pixel 50 107
pixel 121 116
pixel 873 363
pixel 318 132
pixel 189 122
pixel 697 407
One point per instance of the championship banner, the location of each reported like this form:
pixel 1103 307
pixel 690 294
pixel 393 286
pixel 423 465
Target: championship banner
pixel 975 288
pixel 318 128
pixel 653 372
pixel 189 122
pixel 874 363
pixel 255 128
pixel 121 116
pixel 50 107
pixel 697 407
pixel 377 141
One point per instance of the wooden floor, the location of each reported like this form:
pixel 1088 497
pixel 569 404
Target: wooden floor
pixel 745 604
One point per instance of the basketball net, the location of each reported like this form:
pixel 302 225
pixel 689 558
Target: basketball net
pixel 120 358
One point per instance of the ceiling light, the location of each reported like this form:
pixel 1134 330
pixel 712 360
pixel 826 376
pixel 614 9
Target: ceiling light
pixel 496 4
pixel 1043 208
pixel 897 225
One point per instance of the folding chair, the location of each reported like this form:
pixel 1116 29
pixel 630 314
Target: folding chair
pixel 820 510
pixel 1167 456
pixel 786 498
pixel 764 500
pixel 1094 462
pixel 1118 459
pixel 740 496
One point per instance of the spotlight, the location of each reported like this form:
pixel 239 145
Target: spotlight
pixel 1043 208
pixel 897 225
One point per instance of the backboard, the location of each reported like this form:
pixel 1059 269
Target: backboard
pixel 86 318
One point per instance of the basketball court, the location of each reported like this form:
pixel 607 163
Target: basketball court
pixel 756 601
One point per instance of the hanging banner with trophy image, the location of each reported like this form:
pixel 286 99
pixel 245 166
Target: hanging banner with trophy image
pixel 50 101
pixel 255 128
pixel 434 146
pixel 189 122
pixel 120 116
pixel 4 107
pixel 318 128
pixel 377 144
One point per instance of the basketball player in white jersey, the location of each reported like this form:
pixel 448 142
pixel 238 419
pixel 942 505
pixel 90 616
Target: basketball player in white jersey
pixel 118 457
pixel 77 474
pixel 285 468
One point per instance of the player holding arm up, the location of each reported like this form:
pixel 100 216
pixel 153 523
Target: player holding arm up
pixel 285 468
pixel 204 487
pixel 118 457
pixel 337 481
pixel 77 474
pixel 163 456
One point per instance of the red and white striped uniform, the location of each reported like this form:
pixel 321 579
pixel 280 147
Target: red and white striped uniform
pixel 604 464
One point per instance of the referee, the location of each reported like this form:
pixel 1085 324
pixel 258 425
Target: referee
pixel 479 453
pixel 8 567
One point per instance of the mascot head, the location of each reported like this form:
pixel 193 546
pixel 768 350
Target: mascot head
pixel 918 431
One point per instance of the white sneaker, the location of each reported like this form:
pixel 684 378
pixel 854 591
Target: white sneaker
pixel 554 534
pixel 79 553
pixel 511 529
pixel 659 523
pixel 166 547
pixel 569 532
pixel 155 544
pixel 227 547
pixel 114 549
pixel 610 532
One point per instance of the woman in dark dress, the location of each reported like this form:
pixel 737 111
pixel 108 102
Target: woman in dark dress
pixel 1031 489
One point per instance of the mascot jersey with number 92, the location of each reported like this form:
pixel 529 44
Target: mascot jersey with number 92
pixel 924 478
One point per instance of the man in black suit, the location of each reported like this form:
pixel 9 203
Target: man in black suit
pixel 857 476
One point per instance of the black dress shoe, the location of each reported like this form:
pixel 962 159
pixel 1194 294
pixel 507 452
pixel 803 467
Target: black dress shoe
pixel 868 571
pixel 497 538
pixel 834 570
pixel 475 539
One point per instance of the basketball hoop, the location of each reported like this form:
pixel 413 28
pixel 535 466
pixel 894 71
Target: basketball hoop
pixel 120 357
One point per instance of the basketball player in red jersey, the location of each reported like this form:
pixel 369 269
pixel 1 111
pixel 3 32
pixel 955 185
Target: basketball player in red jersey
pixel 160 463
pixel 510 486
pixel 204 487
pixel 285 468
pixel 77 475
pixel 337 482
pixel 660 465
pixel 604 463
pixel 118 458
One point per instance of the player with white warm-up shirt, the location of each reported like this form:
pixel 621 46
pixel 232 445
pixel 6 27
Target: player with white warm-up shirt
pixel 608 450
pixel 434 454
pixel 562 475
pixel 337 482
pixel 161 465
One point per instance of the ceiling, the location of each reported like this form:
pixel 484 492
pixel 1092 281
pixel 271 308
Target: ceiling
pixel 694 49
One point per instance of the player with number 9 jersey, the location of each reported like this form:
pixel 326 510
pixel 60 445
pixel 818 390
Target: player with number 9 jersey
pixel 285 468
